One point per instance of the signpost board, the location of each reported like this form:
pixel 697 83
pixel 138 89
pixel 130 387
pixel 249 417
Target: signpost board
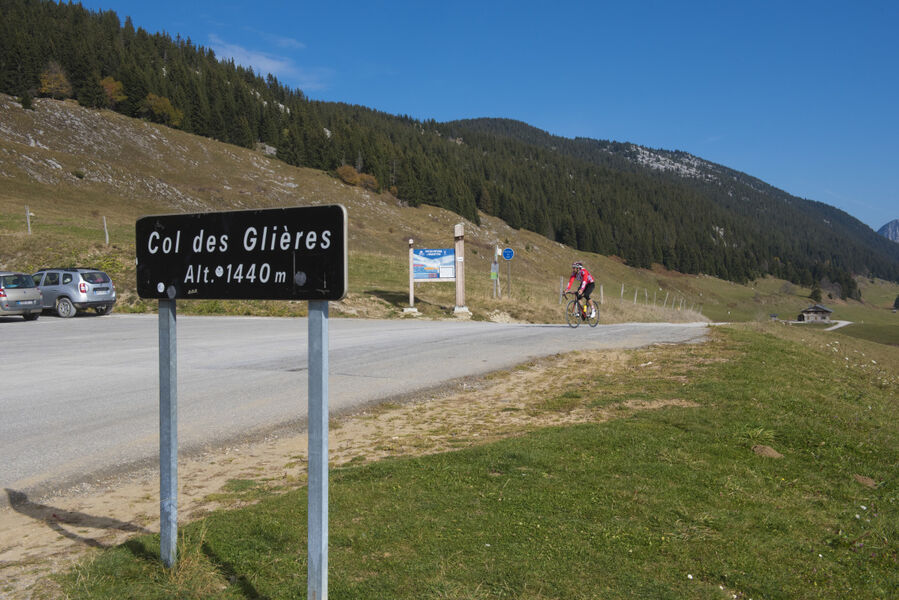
pixel 295 253
pixel 434 264
pixel 439 264
pixel 274 254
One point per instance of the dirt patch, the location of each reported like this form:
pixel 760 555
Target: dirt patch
pixel 865 481
pixel 500 316
pixel 42 536
pixel 364 306
pixel 766 451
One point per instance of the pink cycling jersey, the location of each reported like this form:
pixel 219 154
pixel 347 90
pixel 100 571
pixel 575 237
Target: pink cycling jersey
pixel 583 276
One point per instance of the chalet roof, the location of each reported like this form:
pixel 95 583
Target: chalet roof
pixel 817 308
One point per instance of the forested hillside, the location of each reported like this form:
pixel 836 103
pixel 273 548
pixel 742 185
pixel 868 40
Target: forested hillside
pixel 646 206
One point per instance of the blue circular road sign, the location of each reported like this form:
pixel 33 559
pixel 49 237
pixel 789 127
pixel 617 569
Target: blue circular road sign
pixel 508 253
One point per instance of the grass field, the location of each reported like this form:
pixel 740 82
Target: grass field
pixel 882 334
pixel 761 464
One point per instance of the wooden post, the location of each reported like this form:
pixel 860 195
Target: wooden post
pixel 105 231
pixel 28 218
pixel 411 278
pixel 459 236
pixel 601 299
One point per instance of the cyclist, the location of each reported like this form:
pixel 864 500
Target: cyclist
pixel 581 274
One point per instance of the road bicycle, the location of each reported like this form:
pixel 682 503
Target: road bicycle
pixel 576 311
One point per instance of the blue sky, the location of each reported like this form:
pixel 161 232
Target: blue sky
pixel 804 95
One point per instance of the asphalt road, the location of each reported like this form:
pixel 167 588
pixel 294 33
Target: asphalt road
pixel 80 397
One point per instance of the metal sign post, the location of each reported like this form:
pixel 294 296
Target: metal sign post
pixel 317 538
pixel 494 275
pixel 295 253
pixel 494 272
pixel 168 432
pixel 508 253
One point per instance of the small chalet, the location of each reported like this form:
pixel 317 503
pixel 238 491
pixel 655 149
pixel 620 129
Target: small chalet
pixel 815 313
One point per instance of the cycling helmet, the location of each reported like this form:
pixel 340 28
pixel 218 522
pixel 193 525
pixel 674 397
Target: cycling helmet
pixel 577 265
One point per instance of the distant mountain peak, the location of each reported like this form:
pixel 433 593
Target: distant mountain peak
pixel 890 230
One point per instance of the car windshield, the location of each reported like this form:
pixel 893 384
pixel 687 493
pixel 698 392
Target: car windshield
pixel 17 280
pixel 95 277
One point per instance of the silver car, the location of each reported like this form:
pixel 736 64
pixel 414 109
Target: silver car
pixel 19 296
pixel 69 290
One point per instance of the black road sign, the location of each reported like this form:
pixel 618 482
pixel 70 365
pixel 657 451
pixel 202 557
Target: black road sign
pixel 273 254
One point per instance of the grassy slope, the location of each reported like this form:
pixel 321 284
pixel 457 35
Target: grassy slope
pixel 665 503
pixel 72 167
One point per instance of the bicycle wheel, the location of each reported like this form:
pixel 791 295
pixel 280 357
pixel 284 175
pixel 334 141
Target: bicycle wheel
pixel 594 320
pixel 572 313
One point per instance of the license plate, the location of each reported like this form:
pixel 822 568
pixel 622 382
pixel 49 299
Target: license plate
pixel 25 302
pixel 101 292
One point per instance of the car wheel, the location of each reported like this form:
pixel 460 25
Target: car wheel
pixel 65 308
pixel 104 310
pixel 31 316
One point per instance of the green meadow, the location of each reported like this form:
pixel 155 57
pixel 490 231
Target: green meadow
pixel 763 466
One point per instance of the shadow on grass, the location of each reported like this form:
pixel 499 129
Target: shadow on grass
pixel 230 573
pixel 145 549
pixel 140 550
pixel 401 300
pixel 57 519
pixel 394 298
